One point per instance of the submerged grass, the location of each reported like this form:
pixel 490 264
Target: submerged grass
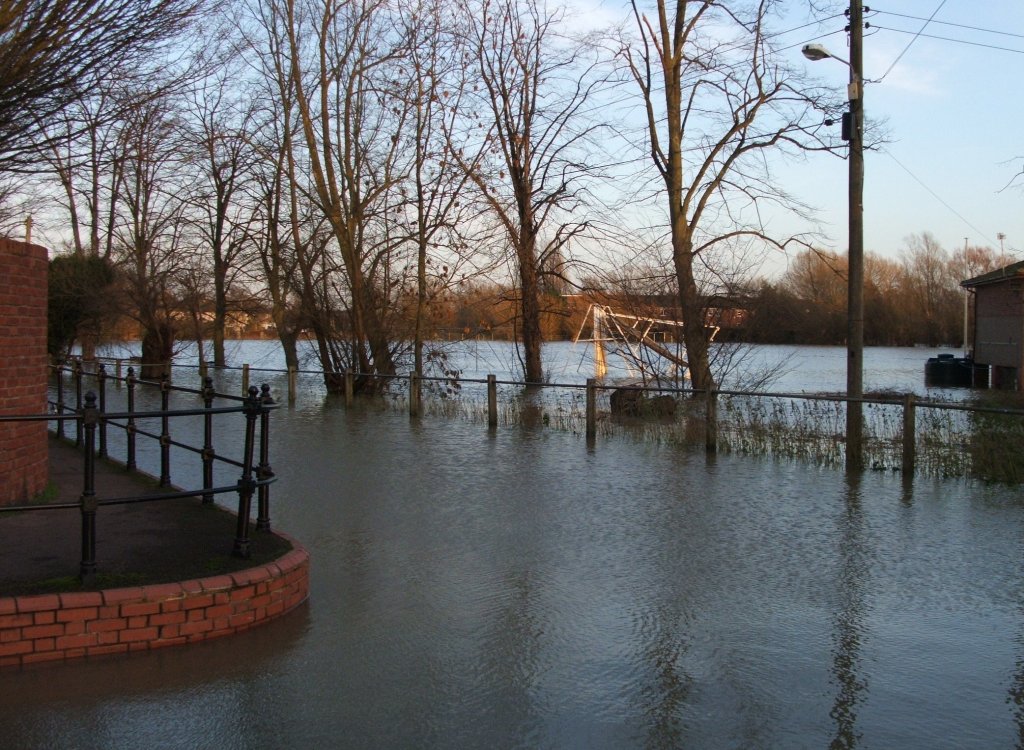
pixel 948 442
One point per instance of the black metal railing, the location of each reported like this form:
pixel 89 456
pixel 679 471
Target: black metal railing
pixel 91 420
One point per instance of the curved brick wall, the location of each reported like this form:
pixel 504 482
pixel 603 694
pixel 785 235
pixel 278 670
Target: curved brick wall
pixel 51 627
pixel 23 445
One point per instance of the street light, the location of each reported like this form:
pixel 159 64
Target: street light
pixel 816 52
pixel 855 273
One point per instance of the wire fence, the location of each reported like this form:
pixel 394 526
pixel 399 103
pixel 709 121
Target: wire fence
pixel 902 432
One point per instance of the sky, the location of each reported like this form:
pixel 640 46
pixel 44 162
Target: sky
pixel 953 112
pixel 952 108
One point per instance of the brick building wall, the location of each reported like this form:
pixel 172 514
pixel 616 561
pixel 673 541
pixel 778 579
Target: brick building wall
pixel 23 445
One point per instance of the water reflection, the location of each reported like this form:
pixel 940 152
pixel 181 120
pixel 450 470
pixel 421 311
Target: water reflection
pixel 519 588
pixel 511 663
pixel 848 619
pixel 1016 691
pixel 668 688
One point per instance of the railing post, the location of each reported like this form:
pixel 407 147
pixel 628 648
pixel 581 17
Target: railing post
pixel 129 461
pixel 245 378
pixel 60 400
pixel 245 482
pixel 165 431
pixel 209 454
pixel 101 378
pixel 264 472
pixel 909 434
pixel 591 408
pixel 350 387
pixel 414 395
pixel 492 401
pixel 711 421
pixel 87 501
pixel 292 384
pixel 77 371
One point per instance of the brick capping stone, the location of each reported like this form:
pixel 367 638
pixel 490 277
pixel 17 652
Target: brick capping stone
pixel 55 627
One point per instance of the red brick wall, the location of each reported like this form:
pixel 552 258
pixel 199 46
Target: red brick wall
pixel 23 447
pixel 52 627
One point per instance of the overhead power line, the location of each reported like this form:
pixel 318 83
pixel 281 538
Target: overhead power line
pixel 936 196
pixel 919 31
pixel 948 23
pixel 945 39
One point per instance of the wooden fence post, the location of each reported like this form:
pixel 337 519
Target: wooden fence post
pixel 711 421
pixel 492 401
pixel 909 434
pixel 591 408
pixel 414 395
pixel 350 387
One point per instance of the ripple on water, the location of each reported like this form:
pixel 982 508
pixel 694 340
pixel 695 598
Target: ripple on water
pixel 513 589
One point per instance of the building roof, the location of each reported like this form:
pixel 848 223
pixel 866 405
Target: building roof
pixel 1011 271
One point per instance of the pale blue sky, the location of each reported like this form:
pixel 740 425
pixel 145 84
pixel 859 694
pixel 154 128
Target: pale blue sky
pixel 953 113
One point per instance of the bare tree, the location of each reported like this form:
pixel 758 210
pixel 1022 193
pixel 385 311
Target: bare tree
pixel 150 231
pixel 715 108
pixel 219 133
pixel 52 52
pixel 441 218
pixel 340 59
pixel 535 85
pixel 80 149
pixel 931 291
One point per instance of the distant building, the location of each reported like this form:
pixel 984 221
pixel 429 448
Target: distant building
pixel 998 333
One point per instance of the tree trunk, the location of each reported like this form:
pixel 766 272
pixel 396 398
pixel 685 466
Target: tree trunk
pixel 533 337
pixel 289 345
pixel 220 311
pixel 695 333
pixel 157 351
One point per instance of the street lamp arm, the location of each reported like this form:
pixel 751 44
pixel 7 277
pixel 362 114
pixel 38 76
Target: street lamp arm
pixel 815 52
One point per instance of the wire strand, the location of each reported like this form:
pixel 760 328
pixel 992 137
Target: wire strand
pixel 949 39
pixel 923 27
pixel 949 23
pixel 936 196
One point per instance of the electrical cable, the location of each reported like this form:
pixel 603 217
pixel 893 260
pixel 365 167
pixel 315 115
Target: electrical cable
pixel 936 195
pixel 923 27
pixel 808 41
pixel 946 39
pixel 949 23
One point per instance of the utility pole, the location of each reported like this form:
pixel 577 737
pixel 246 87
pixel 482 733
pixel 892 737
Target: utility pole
pixel 855 272
pixel 967 297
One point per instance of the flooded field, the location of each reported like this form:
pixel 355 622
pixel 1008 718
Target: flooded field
pixel 517 588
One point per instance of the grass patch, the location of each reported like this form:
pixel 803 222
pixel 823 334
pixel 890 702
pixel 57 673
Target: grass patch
pixel 949 443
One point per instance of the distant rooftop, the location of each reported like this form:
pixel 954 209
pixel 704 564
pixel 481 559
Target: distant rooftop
pixel 992 277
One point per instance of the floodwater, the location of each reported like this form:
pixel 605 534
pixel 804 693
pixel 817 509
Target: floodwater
pixel 791 369
pixel 517 588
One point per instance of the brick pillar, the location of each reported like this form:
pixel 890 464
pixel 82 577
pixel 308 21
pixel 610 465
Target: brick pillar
pixel 23 377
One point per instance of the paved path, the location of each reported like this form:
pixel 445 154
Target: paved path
pixel 154 542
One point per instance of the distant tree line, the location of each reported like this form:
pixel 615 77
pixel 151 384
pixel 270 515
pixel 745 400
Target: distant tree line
pixel 913 299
